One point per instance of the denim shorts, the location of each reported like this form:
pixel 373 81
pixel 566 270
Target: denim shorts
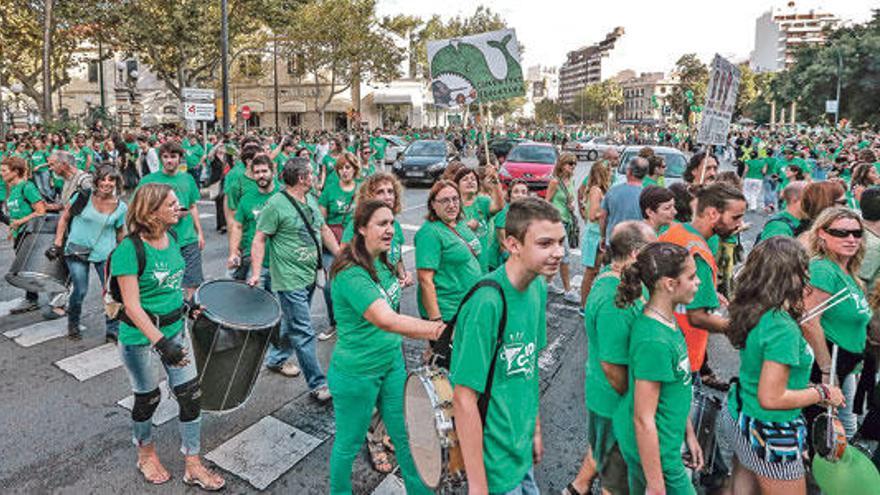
pixel 192 273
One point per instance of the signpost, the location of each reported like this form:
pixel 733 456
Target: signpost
pixel 721 92
pixel 198 106
pixel 245 112
pixel 197 94
pixel 198 111
pixel 831 106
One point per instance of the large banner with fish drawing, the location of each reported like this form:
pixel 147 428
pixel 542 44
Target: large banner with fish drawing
pixel 479 68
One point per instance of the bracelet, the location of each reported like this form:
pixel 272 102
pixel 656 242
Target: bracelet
pixel 823 392
pixel 439 318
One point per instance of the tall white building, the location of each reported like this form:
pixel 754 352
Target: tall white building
pixel 542 83
pixel 781 30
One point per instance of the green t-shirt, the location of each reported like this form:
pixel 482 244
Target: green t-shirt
pixel 39 160
pixel 160 284
pixel 338 203
pixel 657 353
pixel 247 214
pixel 497 257
pixel 363 347
pixel 755 168
pixel 81 157
pixel 22 198
pixel 184 186
pixel 236 188
pixel 846 323
pixel 480 210
pixel 293 255
pixel 378 145
pixel 608 329
pixel 456 268
pixel 778 227
pixel 560 200
pixel 648 181
pixel 777 337
pixel 235 173
pixel 280 160
pixel 706 296
pixel 513 405
pixel 192 154
pixel 394 254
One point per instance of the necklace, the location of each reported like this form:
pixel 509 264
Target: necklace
pixel 665 319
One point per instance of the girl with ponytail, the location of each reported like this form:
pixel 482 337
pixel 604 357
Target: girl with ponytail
pixel 652 421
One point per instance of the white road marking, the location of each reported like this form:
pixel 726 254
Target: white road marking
pixel 416 207
pixel 6 306
pixel 546 359
pixel 409 226
pixel 264 451
pixel 38 333
pixel 206 215
pixel 205 202
pixel 391 485
pixel 406 248
pixel 92 362
pixel 167 409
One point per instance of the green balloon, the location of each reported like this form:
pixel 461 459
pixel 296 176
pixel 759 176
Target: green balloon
pixel 853 473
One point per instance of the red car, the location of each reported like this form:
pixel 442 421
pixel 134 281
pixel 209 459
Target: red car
pixel 531 162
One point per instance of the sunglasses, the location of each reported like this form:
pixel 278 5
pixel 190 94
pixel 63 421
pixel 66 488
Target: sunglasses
pixel 844 233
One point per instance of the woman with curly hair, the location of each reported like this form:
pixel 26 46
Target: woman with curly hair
pixel 764 424
pixel 836 244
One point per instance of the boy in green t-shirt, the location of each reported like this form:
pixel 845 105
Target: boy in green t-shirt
pixel 501 441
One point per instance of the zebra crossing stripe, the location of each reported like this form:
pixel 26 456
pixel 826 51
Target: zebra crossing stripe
pixel 92 362
pixel 391 485
pixel 406 248
pixel 38 333
pixel 264 451
pixel 409 226
pixel 168 407
pixel 6 306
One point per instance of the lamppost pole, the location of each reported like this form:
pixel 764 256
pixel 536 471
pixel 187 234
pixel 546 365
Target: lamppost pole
pixel 839 74
pixel 224 61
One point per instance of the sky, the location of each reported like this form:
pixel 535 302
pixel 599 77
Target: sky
pixel 656 33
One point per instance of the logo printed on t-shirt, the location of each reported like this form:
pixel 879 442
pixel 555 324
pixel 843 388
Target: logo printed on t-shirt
pixel 520 358
pixel 684 366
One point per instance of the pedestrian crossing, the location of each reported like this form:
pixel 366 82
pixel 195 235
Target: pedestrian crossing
pixel 38 333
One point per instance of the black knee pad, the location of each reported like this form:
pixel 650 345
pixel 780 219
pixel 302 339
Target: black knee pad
pixel 145 405
pixel 189 399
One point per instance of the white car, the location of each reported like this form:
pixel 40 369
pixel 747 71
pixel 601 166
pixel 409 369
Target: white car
pixel 676 163
pixel 590 149
pixel 396 144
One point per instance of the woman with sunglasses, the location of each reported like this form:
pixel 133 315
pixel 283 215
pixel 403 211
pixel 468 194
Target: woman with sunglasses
pixel 96 222
pixel 763 422
pixel 447 254
pixel 337 206
pixel 835 242
pixel 651 423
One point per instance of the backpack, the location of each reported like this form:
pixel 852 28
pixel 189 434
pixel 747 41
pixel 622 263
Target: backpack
pixel 795 229
pixel 442 348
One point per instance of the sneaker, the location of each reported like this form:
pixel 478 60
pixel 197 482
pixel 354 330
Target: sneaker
pixel 327 334
pixel 287 369
pixel 111 338
pixel 555 289
pixel 75 333
pixel 572 296
pixel 321 394
pixel 24 307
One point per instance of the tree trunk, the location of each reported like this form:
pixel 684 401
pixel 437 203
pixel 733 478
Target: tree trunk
pixel 47 53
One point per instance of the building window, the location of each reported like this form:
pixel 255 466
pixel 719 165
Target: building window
pixel 295 65
pixel 93 71
pixel 251 65
pixel 294 120
pixel 170 110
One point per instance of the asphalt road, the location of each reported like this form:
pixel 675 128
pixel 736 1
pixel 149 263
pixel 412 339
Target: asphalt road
pixel 63 430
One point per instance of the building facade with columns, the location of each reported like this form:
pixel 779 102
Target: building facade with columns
pixel 645 97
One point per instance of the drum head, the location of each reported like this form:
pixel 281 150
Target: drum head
pixel 424 442
pixel 235 304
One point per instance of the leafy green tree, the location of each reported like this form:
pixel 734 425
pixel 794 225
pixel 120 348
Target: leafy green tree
pixel 693 77
pixel 547 112
pixel 595 101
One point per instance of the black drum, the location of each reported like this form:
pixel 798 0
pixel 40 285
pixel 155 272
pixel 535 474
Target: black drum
pixel 230 338
pixel 32 270
pixel 705 409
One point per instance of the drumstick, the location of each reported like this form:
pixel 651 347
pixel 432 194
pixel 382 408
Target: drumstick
pixel 824 306
pixel 826 301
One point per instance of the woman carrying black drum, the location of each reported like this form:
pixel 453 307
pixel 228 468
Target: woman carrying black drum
pixel 153 319
pixel 96 222
pixel 367 368
pixel 764 424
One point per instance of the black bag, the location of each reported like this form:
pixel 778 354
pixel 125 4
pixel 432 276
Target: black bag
pixel 442 347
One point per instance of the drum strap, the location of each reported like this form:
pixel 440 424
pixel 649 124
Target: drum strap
pixel 308 227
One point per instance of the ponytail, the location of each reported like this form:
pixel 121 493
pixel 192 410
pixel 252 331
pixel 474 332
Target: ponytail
pixel 654 261
pixel 630 287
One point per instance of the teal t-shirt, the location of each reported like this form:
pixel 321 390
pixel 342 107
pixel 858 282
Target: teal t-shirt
pixel 657 353
pixel 188 195
pixel 780 225
pixel 160 284
pixel 96 230
pixel 480 210
pixel 39 160
pixel 846 323
pixel 513 406
pixel 22 198
pixel 777 337
pixel 362 347
pixel 454 258
pixel 247 214
pixel 338 202
pixel 394 254
pixel 608 333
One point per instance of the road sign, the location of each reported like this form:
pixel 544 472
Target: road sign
pixel 245 112
pixel 720 102
pixel 197 94
pixel 198 111
pixel 830 106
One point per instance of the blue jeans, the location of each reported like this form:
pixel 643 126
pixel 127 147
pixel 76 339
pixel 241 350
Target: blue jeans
pixel 328 262
pixel 141 372
pixel 526 487
pixel 770 197
pixel 79 279
pixel 43 180
pixel 297 335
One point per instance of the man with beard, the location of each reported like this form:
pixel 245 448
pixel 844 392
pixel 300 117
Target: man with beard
pixel 701 170
pixel 720 211
pixel 250 205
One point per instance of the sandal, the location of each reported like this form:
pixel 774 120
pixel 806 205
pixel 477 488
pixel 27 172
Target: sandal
pixel 152 463
pixel 386 441
pixel 379 458
pixel 571 490
pixel 207 480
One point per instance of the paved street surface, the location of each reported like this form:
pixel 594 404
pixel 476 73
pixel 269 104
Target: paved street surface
pixel 67 430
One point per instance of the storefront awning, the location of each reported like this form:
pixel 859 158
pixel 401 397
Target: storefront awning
pixel 391 97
